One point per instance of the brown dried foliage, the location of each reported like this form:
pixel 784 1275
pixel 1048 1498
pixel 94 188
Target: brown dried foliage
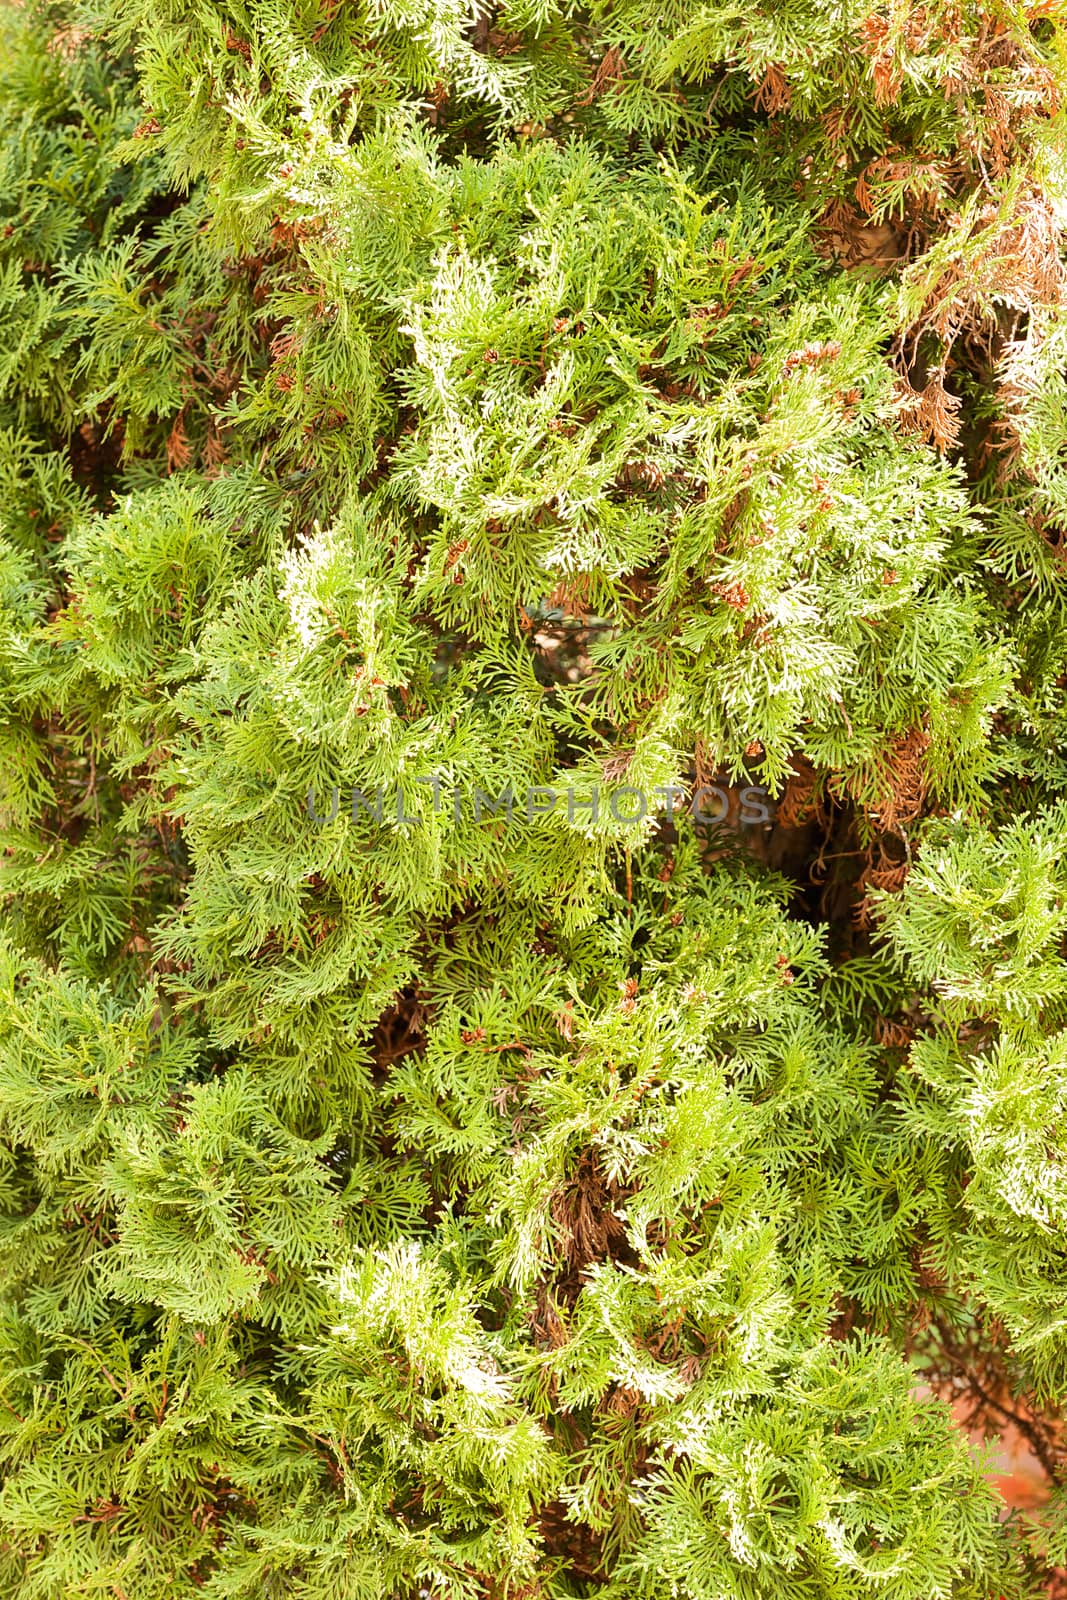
pixel 179 453
pixel 583 1211
pixel 877 37
pixel 1013 259
pixel 571 595
pixel 883 869
pixel 817 353
pixel 903 781
pixel 773 93
pixel 608 75
pixel 931 412
pixel 799 803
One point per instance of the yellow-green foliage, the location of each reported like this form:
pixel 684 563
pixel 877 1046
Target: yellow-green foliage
pixel 442 405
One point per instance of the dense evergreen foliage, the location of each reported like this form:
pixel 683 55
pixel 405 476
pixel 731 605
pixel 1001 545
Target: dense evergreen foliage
pixel 430 437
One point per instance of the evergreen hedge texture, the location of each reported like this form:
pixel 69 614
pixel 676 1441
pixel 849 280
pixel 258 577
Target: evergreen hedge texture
pixel 430 438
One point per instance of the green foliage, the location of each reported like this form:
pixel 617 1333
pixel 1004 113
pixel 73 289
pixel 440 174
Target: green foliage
pixel 405 1196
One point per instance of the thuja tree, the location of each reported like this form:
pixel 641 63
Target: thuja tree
pixel 412 1189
